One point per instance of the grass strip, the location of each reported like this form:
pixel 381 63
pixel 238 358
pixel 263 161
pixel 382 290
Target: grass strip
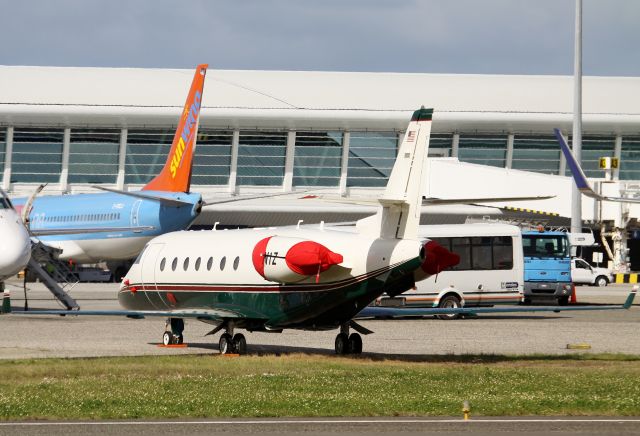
pixel 302 385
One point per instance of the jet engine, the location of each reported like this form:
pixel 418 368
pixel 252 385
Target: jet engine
pixel 436 259
pixel 285 259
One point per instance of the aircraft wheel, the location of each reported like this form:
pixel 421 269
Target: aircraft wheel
pixel 449 302
pixel 226 344
pixel 179 339
pixel 240 343
pixel 167 338
pixel 342 344
pixel 355 343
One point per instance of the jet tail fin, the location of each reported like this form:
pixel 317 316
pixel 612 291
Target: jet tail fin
pixel 578 175
pixel 176 174
pixel 399 216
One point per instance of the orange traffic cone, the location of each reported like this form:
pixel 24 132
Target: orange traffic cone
pixel 574 299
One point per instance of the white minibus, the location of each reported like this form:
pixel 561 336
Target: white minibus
pixel 490 271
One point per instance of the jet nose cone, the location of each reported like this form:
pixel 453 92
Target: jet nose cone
pixel 16 248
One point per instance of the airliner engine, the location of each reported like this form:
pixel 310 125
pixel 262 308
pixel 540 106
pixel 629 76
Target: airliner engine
pixel 290 260
pixel 436 259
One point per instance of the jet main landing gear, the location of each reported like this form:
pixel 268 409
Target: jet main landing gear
pixel 348 343
pixel 173 332
pixel 232 344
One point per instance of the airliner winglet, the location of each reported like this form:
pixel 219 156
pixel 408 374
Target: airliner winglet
pixel 579 177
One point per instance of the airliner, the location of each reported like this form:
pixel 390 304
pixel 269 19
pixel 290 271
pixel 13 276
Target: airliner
pixel 125 221
pixel 15 250
pixel 304 278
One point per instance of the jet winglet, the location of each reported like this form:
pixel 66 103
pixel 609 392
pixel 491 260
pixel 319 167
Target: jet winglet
pixel 574 166
pixel 176 174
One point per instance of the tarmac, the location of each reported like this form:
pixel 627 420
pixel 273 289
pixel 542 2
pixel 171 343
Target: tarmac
pixel 411 338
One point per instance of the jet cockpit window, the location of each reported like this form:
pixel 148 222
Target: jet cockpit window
pixel 140 255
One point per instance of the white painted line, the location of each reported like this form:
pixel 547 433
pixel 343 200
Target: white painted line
pixel 323 421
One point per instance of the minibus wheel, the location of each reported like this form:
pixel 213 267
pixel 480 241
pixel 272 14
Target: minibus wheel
pixel 450 301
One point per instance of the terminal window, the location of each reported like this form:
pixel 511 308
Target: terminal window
pixel 371 158
pixel 630 158
pixel 261 158
pixel 212 160
pixel 483 149
pixel 537 153
pixel 317 159
pixel 37 155
pixel 93 156
pixel 147 152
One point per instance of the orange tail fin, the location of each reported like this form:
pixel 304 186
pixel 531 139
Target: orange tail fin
pixel 176 174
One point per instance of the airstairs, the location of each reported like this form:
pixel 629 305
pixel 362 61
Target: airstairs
pixel 56 275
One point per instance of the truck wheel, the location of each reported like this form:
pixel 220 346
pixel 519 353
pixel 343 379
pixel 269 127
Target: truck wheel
pixel 563 301
pixel 601 281
pixel 449 302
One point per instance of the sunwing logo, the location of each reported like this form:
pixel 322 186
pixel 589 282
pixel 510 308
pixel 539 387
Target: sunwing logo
pixel 187 134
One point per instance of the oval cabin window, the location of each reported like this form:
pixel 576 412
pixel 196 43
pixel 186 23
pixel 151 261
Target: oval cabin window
pixel 236 262
pixel 223 261
pixel 198 264
pixel 185 264
pixel 174 264
pixel 209 264
pixel 163 263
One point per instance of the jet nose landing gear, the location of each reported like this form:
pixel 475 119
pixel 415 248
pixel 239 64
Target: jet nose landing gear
pixel 348 343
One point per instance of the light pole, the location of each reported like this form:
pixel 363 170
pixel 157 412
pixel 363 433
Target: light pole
pixel 576 139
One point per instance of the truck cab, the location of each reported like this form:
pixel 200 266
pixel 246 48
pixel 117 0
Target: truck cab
pixel 547 266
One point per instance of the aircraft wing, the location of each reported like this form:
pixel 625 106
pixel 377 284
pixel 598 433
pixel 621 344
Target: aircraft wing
pixel 430 201
pixel 166 201
pixel 76 231
pixel 202 314
pixel 397 312
pixel 579 177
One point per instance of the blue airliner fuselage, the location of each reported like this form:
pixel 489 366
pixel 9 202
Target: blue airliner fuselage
pixel 130 222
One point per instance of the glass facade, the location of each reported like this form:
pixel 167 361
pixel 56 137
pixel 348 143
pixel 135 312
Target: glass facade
pixel 440 145
pixel 317 155
pixel 483 149
pixel 371 157
pixel 147 152
pixel 317 159
pixel 540 154
pixel 630 158
pixel 37 155
pixel 93 156
pixel 3 149
pixel 261 157
pixel 212 161
pixel 593 148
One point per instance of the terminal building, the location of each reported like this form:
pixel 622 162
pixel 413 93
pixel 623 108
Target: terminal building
pixel 283 132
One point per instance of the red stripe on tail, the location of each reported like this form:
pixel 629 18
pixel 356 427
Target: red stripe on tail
pixel 176 174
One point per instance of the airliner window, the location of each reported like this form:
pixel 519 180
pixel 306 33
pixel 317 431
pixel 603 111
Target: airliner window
pixel 236 262
pixel 174 264
pixel 209 264
pixel 198 264
pixel 185 264
pixel 163 263
pixel 223 261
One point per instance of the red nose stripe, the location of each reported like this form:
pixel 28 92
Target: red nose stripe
pixel 438 258
pixel 308 258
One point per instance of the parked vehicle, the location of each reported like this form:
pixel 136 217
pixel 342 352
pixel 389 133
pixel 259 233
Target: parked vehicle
pixel 490 270
pixel 583 273
pixel 547 266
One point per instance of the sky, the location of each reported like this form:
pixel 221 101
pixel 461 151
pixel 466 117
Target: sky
pixel 409 36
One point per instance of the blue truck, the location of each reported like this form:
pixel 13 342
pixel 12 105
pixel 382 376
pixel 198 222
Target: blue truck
pixel 547 266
